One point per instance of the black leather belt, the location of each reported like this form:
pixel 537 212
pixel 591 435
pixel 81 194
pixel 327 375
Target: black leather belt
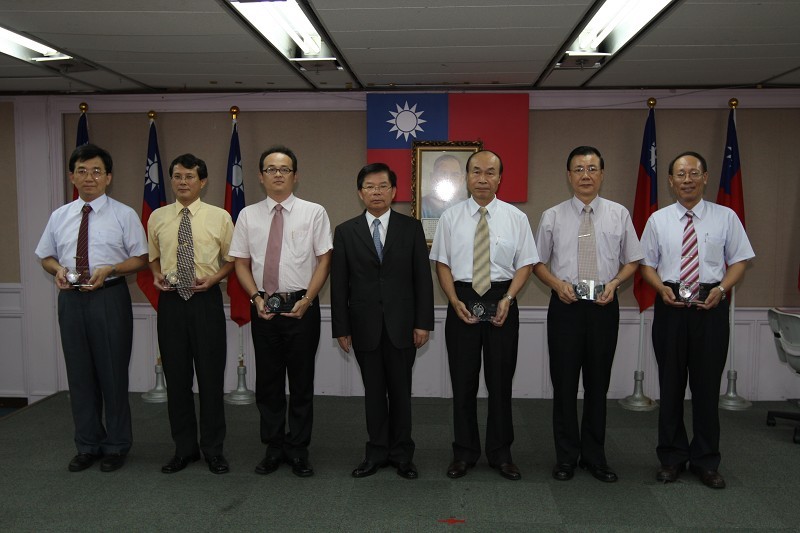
pixel 702 293
pixel 286 295
pixel 115 281
pixel 495 284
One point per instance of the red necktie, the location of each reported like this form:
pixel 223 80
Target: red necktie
pixel 82 253
pixel 690 262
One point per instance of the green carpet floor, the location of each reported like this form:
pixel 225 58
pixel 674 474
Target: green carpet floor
pixel 761 465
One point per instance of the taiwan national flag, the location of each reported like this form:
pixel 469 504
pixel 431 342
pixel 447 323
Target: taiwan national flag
pixel 234 203
pixel 730 183
pixel 81 138
pixel 646 204
pixel 154 197
pixel 500 121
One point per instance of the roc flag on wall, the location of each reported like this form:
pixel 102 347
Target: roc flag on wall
pixel 154 197
pixel 646 204
pixel 234 203
pixel 81 138
pixel 730 183
pixel 500 121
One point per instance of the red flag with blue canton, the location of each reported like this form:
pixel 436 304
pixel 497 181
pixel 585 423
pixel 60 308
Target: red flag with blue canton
pixel 730 183
pixel 646 204
pixel 234 203
pixel 500 121
pixel 81 139
pixel 154 197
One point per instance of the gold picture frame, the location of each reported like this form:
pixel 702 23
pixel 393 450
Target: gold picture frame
pixel 438 179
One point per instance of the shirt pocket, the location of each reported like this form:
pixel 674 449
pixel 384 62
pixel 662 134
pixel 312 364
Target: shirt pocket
pixel 111 238
pixel 715 250
pixel 206 250
pixel 608 245
pixel 504 251
pixel 301 244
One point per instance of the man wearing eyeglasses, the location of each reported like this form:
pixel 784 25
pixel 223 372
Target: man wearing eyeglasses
pixel 282 247
pixel 484 250
pixel 382 307
pixel 189 257
pixel 695 252
pixel 89 246
pixel 591 247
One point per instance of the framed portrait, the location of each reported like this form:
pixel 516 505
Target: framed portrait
pixel 438 179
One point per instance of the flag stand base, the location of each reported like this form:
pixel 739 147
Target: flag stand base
pixel 242 395
pixel 730 401
pixel 158 394
pixel 638 401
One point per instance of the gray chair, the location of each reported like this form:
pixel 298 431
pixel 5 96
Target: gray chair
pixel 786 329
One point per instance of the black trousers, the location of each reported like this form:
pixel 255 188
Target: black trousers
pixel 286 347
pixel 690 343
pixel 191 337
pixel 97 336
pixel 499 346
pixel 386 373
pixel 581 339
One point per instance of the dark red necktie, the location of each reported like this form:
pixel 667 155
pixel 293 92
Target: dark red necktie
pixel 82 254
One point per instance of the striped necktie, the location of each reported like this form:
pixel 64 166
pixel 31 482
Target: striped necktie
pixel 690 262
pixel 481 272
pixel 82 252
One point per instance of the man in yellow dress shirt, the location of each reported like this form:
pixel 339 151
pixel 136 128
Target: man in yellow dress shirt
pixel 188 243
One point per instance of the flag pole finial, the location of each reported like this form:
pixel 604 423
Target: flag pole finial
pixel 234 112
pixel 733 103
pixel 84 107
pixel 651 102
pixel 152 115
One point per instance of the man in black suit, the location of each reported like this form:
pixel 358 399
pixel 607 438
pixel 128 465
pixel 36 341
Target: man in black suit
pixel 382 306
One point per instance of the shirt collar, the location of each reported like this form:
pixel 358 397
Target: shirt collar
pixel 97 204
pixel 578 205
pixel 474 207
pixel 286 204
pixel 193 207
pixel 384 218
pixel 698 210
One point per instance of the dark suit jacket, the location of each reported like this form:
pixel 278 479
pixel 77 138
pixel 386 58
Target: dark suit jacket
pixel 365 293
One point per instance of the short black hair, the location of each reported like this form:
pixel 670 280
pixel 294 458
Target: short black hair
pixel 691 154
pixel 373 168
pixel 500 170
pixel 277 149
pixel 585 150
pixel 189 161
pixel 90 151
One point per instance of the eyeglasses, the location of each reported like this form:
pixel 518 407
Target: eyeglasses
pixel 383 187
pixel 694 174
pixel 188 178
pixel 590 170
pixel 96 173
pixel 271 171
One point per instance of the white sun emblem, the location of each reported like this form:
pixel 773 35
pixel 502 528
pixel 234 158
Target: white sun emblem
pixel 653 157
pixel 236 175
pixel 151 175
pixel 406 121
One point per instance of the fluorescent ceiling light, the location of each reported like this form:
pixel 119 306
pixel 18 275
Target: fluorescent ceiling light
pixel 616 23
pixel 28 50
pixel 284 25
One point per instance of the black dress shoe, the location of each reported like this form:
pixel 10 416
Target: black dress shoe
pixel 710 478
pixel 563 471
pixel 670 473
pixel 82 461
pixel 407 470
pixel 300 467
pixel 111 462
pixel 218 464
pixel 601 472
pixel 268 465
pixel 178 463
pixel 366 468
pixel 458 469
pixel 509 471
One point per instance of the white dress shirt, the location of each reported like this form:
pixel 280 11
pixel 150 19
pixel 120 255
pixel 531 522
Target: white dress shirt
pixel 384 227
pixel 721 240
pixel 615 236
pixel 511 243
pixel 306 235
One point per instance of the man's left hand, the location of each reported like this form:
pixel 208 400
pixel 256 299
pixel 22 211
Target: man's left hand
pixel 608 294
pixel 202 284
pixel 420 337
pixel 98 278
pixel 300 308
pixel 714 298
pixel 502 312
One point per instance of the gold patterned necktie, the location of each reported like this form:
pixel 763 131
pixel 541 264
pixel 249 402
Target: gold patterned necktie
pixel 481 275
pixel 587 247
pixel 186 273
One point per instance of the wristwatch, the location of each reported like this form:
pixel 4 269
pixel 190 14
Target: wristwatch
pixel 509 297
pixel 722 290
pixel 253 297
